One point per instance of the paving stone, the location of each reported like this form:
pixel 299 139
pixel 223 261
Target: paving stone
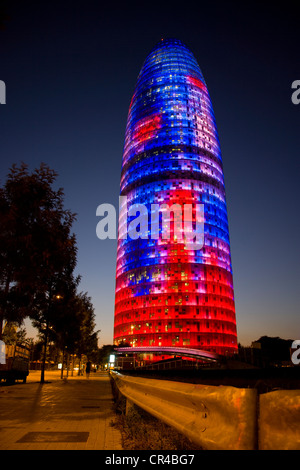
pixel 61 414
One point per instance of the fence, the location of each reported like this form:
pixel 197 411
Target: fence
pixel 219 417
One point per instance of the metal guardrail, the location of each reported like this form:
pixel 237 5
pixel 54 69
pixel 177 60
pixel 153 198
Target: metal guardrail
pixel 212 417
pixel 279 420
pixel 219 417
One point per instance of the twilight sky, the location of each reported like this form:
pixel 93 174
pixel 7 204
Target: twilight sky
pixel 70 69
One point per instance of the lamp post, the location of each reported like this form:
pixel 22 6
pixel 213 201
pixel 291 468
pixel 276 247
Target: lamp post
pixel 63 361
pixel 47 334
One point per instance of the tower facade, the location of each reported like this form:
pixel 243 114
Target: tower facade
pixel 168 294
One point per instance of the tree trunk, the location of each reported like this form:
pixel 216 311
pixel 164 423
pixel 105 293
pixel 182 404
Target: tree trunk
pixel 67 365
pixel 44 355
pixel 79 365
pixel 1 323
pixel 62 365
pixel 7 282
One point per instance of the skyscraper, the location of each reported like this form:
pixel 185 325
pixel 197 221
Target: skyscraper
pixel 166 293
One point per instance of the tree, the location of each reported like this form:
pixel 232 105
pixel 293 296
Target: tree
pixel 76 325
pixel 37 249
pixel 87 343
pixel 104 354
pixel 11 334
pixel 275 349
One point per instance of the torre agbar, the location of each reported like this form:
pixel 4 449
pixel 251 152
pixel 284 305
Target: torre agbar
pixel 168 294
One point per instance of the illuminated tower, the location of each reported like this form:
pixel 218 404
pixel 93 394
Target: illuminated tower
pixel 166 293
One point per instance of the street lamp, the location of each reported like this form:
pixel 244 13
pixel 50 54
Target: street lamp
pixel 51 298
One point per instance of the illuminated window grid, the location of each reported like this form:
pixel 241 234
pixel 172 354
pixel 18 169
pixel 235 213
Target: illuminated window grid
pixel 167 295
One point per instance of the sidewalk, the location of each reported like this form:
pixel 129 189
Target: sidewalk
pixel 62 414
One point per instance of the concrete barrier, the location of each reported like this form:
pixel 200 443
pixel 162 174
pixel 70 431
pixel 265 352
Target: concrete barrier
pixel 279 420
pixel 213 417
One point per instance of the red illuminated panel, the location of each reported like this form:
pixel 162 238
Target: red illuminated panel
pixel 196 82
pixel 146 128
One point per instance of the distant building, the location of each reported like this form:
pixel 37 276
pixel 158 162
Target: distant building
pixel 168 294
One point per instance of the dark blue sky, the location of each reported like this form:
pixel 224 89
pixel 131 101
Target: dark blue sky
pixel 70 69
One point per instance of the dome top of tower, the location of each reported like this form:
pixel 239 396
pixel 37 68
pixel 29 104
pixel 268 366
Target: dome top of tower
pixel 168 56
